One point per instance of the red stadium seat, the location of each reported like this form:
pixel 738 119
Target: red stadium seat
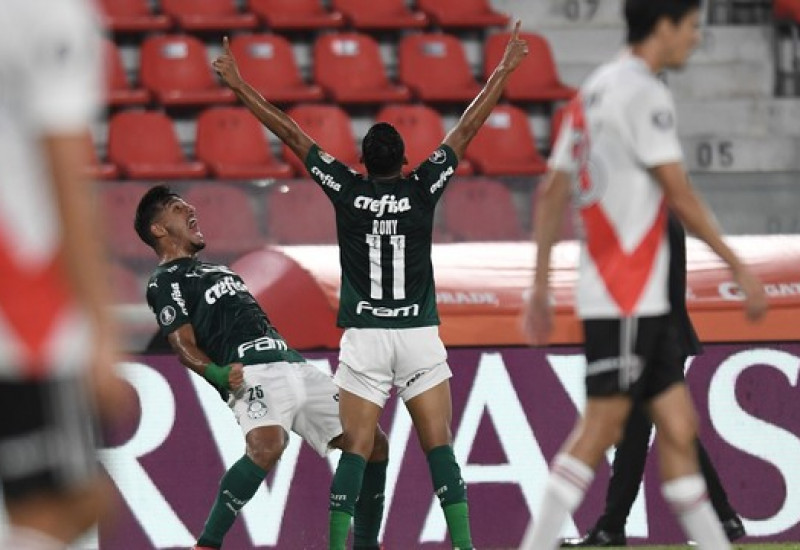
pixel 349 67
pixel 208 15
pixel 118 89
pixel 536 79
pixel 329 126
pixel 118 202
pixel 481 210
pixel 435 67
pixel 144 146
pixel 505 145
pixel 177 70
pixel 296 14
pixel 383 15
pixel 226 217
pixel 787 9
pixel 462 13
pixel 132 16
pixel 126 288
pixel 422 131
pixel 299 213
pixel 266 61
pixel 232 143
pixel 101 170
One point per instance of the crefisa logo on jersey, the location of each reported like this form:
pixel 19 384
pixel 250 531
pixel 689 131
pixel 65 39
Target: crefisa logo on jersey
pixel 386 204
pixel 438 184
pixel 326 179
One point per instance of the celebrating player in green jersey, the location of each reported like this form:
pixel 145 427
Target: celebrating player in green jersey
pixel 219 331
pixel 384 222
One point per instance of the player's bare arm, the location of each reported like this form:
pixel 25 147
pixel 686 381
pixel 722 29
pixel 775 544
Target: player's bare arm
pixel 538 321
pixel 278 122
pixel 478 111
pixel 68 155
pixel 691 210
pixel 183 342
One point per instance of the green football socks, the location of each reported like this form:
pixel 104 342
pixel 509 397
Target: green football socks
pixel 236 488
pixel 369 508
pixel 452 492
pixel 346 487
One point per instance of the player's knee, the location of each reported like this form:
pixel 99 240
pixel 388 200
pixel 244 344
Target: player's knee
pixel 87 506
pixel 679 433
pixel 265 454
pixel 358 442
pixel 380 447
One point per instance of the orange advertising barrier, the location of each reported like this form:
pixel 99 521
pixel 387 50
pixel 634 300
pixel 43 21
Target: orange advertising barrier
pixel 481 289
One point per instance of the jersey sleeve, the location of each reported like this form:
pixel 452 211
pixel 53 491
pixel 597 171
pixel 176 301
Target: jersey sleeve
pixel 433 174
pixel 331 175
pixel 64 68
pixel 653 123
pixel 166 298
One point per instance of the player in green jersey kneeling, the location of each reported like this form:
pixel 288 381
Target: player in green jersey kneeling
pixel 220 332
pixel 387 303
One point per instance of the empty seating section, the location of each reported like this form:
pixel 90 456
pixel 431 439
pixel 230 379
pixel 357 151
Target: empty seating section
pixel 436 69
pixel 536 79
pixel 296 14
pixel 329 126
pixel 505 145
pixel 268 64
pixel 349 67
pixel 481 210
pixel 118 89
pixel 144 146
pixel 132 16
pixel 118 203
pixel 462 13
pixel 422 131
pixel 227 219
pixel 382 15
pixel 298 212
pixel 333 66
pixel 208 15
pixel 177 70
pixel 233 145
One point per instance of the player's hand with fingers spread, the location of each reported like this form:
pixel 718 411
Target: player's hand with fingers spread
pixel 538 320
pixel 236 376
pixel 516 49
pixel 226 67
pixel 755 301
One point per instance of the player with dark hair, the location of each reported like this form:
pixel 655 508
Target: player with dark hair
pixel 57 336
pixel 619 151
pixel 387 299
pixel 631 453
pixel 220 332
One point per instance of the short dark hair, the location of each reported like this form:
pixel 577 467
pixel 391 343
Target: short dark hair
pixel 642 16
pixel 149 207
pixel 383 150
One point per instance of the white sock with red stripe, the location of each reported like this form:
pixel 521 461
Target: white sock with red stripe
pixel 689 501
pixel 569 479
pixel 22 538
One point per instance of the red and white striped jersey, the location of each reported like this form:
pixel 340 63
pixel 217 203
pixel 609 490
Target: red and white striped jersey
pixel 621 124
pixel 50 84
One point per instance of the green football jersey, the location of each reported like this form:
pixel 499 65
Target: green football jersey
pixel 385 232
pixel 228 323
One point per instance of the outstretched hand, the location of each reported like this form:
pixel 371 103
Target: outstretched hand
pixel 516 50
pixel 225 66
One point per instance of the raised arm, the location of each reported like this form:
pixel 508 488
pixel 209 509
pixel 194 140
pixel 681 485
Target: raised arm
pixel 478 111
pixel 184 343
pixel 691 210
pixel 278 122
